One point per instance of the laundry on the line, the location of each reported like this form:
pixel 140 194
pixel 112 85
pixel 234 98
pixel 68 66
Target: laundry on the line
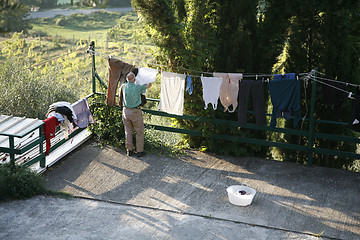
pixel 229 90
pixel 211 90
pixel 117 74
pixel 172 93
pixel 355 112
pixel 285 97
pixel 232 89
pixel 189 84
pixel 256 89
pixel 146 75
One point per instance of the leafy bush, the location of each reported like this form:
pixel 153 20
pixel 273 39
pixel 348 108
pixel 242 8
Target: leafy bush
pixel 108 128
pixel 19 183
pixel 13 17
pixel 29 92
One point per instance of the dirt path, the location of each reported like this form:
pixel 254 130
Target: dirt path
pixel 67 12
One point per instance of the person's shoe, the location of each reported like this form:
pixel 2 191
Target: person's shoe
pixel 141 154
pixel 129 153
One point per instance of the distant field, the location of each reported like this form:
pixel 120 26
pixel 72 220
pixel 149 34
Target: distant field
pixel 79 26
pixel 115 33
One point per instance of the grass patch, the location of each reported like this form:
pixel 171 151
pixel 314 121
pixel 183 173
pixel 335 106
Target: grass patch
pixel 79 26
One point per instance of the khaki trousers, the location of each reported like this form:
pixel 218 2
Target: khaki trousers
pixel 133 120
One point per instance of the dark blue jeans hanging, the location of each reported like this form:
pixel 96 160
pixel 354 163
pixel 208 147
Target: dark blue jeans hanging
pixel 285 97
pixel 256 88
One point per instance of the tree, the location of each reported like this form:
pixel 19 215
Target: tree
pixel 325 36
pixel 12 16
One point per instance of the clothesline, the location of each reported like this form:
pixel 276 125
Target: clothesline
pixel 304 76
pixel 284 91
pixel 139 61
pixel 332 80
pixel 339 89
pixel 186 70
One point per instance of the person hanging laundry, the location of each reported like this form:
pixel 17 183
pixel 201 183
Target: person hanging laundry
pixel 117 73
pixel 256 88
pixel 189 85
pixel 229 89
pixel 83 113
pixel 285 97
pixel 172 93
pixel 211 90
pixel 132 115
pixel 354 121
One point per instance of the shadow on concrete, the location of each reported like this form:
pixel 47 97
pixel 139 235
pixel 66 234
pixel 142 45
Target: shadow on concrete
pixel 290 197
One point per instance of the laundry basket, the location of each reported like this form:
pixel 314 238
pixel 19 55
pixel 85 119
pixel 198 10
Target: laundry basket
pixel 240 195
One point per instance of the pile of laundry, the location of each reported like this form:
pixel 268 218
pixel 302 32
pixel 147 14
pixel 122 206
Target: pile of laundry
pixel 68 117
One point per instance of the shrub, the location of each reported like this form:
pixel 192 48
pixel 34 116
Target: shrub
pixel 108 128
pixel 19 183
pixel 29 92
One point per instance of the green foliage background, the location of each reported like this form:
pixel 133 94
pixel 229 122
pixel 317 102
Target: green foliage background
pixel 26 90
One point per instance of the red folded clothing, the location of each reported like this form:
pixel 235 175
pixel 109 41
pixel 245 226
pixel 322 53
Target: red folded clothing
pixel 49 131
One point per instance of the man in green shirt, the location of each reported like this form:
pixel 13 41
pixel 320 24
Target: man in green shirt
pixel 132 116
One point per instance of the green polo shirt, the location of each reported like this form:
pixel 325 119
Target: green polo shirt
pixel 131 94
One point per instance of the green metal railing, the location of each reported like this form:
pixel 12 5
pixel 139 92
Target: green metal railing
pixel 37 143
pixel 310 134
pixel 31 148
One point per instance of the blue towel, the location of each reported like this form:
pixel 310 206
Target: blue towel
pixel 189 86
pixel 285 97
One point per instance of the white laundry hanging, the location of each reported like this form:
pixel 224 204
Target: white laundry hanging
pixel 211 90
pixel 229 89
pixel 172 93
pixel 146 75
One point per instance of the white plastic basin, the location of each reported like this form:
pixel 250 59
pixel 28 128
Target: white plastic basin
pixel 236 198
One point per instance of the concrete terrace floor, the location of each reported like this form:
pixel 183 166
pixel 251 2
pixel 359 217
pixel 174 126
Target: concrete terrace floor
pixel 153 197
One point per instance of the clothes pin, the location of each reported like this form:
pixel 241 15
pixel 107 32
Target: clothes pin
pixel 350 95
